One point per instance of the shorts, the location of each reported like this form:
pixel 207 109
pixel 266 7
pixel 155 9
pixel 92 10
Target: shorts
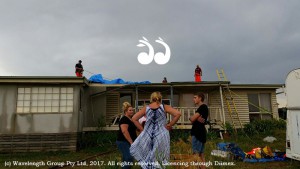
pixel 197 78
pixel 78 74
pixel 197 146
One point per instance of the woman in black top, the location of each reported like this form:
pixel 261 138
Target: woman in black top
pixel 126 135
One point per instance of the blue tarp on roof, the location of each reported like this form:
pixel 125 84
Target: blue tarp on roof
pixel 99 79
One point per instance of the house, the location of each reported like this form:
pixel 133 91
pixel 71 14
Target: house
pixel 41 113
pixel 50 113
pixel 251 101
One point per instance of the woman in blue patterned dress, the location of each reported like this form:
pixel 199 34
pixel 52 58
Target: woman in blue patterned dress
pixel 152 147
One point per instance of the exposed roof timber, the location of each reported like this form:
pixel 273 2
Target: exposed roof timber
pixel 192 84
pixel 248 86
pixel 162 85
pixel 44 79
pixel 210 84
pixel 83 80
pixel 180 84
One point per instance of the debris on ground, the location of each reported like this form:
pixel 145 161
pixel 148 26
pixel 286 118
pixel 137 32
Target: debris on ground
pixel 269 139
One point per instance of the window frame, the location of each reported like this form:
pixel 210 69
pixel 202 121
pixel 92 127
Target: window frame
pixel 45 100
pixel 260 113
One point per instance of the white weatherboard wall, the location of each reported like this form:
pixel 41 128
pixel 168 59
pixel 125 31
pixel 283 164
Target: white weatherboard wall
pixel 293 114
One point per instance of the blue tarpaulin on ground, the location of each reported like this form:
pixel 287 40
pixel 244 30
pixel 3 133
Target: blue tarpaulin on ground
pixel 237 152
pixel 99 79
pixel 278 156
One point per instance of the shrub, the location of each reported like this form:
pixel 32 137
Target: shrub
pixel 249 128
pixel 100 138
pixel 212 135
pixel 281 124
pixel 264 126
pixel 176 135
pixel 229 128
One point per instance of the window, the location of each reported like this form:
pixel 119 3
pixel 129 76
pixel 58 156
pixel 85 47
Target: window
pixel 45 99
pixel 142 103
pixel 186 100
pixel 259 106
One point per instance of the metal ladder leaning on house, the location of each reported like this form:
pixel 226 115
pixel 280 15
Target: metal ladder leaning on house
pixel 227 95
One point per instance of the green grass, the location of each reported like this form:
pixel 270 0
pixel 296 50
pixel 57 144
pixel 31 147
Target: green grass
pixel 247 143
pixel 180 144
pixel 53 157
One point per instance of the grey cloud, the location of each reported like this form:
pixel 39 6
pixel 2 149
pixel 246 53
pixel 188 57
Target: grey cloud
pixel 253 41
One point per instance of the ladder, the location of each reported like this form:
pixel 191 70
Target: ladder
pixel 221 75
pixel 227 96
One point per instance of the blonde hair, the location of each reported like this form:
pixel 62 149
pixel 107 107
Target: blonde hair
pixel 156 97
pixel 125 107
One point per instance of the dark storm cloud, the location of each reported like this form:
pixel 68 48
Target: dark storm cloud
pixel 253 41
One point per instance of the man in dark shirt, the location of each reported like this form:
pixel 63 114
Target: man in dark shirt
pixel 79 69
pixel 198 130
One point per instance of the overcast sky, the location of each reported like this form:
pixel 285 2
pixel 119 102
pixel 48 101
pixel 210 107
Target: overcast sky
pixel 254 41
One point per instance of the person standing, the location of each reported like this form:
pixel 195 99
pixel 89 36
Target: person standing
pixel 165 80
pixel 152 147
pixel 126 135
pixel 79 69
pixel 198 74
pixel 198 130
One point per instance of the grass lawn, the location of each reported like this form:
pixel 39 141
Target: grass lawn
pixel 180 144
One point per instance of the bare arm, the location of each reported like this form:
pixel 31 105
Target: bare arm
pixel 197 117
pixel 194 117
pixel 201 119
pixel 175 113
pixel 124 128
pixel 137 116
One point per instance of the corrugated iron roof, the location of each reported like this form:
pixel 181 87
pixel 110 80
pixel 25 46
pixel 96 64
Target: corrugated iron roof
pixel 44 79
pixel 83 80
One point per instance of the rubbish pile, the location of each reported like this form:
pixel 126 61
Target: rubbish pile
pixel 269 139
pixel 234 152
pixel 264 155
pixel 229 150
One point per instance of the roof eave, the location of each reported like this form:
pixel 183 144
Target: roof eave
pixel 44 79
